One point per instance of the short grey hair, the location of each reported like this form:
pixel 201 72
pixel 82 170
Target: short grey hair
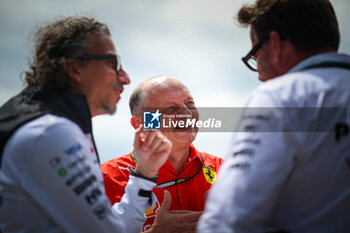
pixel 135 100
pixel 138 98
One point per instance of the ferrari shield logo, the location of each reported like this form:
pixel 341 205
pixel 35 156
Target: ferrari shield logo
pixel 209 174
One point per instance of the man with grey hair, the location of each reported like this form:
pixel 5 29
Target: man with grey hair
pixel 185 177
pixel 50 179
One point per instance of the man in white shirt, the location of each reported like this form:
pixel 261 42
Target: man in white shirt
pixel 288 167
pixel 50 179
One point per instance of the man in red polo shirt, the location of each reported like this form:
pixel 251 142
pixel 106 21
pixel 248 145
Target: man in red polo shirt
pixel 187 174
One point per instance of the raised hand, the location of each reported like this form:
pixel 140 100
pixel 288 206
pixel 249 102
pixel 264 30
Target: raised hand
pixel 151 149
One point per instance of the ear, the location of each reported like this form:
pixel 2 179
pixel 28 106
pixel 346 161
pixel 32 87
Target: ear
pixel 135 121
pixel 278 46
pixel 73 71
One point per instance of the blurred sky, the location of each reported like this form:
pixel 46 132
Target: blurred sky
pixel 197 41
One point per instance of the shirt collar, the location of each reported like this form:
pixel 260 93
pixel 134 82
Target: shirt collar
pixel 194 153
pixel 329 57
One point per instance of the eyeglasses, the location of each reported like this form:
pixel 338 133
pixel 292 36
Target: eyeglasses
pixel 116 58
pixel 249 59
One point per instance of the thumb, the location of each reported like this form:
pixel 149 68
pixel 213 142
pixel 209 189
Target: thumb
pixel 166 201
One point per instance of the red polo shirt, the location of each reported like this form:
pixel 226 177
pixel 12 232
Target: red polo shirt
pixel 199 171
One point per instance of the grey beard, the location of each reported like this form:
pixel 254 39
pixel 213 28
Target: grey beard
pixel 109 110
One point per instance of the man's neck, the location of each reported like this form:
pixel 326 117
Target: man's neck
pixel 179 156
pixel 295 58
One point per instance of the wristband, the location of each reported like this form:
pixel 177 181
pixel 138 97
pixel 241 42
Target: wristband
pixel 135 173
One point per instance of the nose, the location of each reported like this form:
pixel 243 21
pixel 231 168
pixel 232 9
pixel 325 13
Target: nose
pixel 123 77
pixel 191 111
pixel 186 111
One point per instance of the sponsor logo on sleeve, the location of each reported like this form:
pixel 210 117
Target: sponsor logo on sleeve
pixel 102 209
pixel 83 185
pixel 73 149
pixel 75 162
pixel 93 196
pixel 152 212
pixel 150 215
pixel 245 152
pixel 241 166
pixel 71 180
pixel 55 161
pixel 62 172
pixel 341 130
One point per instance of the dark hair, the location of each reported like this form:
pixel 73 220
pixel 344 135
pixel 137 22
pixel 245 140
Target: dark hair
pixel 308 24
pixel 53 43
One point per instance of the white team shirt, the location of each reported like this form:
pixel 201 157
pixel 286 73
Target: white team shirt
pixel 276 178
pixel 50 181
